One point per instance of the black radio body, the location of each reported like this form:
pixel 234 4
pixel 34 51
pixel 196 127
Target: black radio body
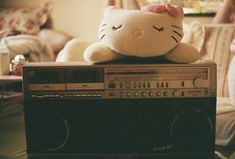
pixel 104 120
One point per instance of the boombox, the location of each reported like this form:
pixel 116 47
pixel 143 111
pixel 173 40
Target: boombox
pixel 144 111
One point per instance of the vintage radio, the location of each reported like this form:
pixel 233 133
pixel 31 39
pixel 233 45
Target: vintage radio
pixel 79 110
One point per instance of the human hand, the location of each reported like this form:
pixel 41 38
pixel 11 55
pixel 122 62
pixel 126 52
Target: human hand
pixel 232 46
pixel 171 10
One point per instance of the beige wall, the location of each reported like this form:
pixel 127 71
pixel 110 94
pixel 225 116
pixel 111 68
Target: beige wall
pixel 79 18
pixel 204 20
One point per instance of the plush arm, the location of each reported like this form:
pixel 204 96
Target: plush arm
pixel 73 50
pixel 183 53
pixel 99 52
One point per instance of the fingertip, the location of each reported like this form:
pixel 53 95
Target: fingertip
pixel 233 41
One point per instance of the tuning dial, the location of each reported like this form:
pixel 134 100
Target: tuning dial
pixel 200 83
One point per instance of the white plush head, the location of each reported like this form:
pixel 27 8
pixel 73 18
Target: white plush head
pixel 138 33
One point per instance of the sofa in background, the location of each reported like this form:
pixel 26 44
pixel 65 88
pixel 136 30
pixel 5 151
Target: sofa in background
pixel 28 31
pixel 213 41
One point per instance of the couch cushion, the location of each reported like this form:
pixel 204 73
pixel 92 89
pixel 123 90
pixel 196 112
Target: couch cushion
pixel 216 47
pixel 231 81
pixel 24 20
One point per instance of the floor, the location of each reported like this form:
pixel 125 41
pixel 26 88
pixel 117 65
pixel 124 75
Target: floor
pixel 12 132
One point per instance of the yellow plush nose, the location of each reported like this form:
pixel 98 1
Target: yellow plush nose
pixel 137 33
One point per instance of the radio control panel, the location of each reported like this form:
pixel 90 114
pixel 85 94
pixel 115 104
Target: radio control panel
pixel 81 80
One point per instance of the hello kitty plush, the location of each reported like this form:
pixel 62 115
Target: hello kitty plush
pixel 150 32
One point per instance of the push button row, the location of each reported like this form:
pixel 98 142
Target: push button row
pixel 66 95
pixel 138 85
pixel 129 85
pixel 151 94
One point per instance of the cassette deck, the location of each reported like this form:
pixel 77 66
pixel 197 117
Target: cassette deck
pixel 69 80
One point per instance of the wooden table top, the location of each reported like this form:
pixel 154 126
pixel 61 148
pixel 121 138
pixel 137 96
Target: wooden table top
pixel 10 78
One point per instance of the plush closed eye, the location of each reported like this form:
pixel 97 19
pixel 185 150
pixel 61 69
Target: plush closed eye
pixel 160 29
pixel 114 28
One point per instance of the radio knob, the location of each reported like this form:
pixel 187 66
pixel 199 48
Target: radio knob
pixel 128 94
pixel 166 93
pixel 143 94
pixel 136 94
pixel 176 93
pixel 158 94
pixel 150 94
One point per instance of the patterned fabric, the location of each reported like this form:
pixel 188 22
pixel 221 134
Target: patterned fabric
pixel 24 20
pixel 35 49
pixel 216 47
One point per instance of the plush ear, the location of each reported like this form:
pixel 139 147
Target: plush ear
pixel 175 11
pixel 183 53
pixel 171 10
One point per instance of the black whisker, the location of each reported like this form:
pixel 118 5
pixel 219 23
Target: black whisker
pixel 177 33
pixel 102 30
pixel 159 29
pixel 174 39
pixel 102 37
pixel 176 27
pixel 114 28
pixel 103 24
